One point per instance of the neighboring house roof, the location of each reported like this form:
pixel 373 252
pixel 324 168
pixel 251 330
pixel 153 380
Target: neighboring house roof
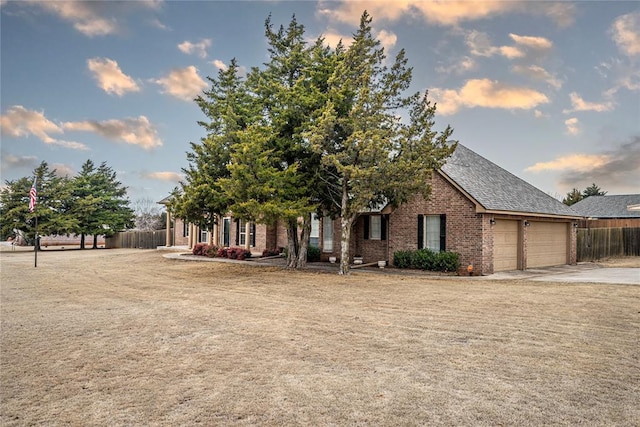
pixel 165 201
pixel 609 206
pixel 497 190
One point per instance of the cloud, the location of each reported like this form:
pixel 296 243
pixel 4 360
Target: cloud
pixel 625 31
pixel 480 45
pixel 488 94
pixel 459 66
pixel 156 23
pixel 89 17
pixel 220 65
pixel 439 12
pixel 183 83
pixel 63 170
pixel 574 162
pixel 10 161
pixel 19 122
pixel 436 12
pixel 572 125
pixel 538 73
pixel 562 13
pixel 387 39
pixel 84 16
pixel 199 48
pixel 617 168
pixel 580 104
pixel 135 131
pixel 539 43
pixel 624 73
pixel 164 176
pixel 110 77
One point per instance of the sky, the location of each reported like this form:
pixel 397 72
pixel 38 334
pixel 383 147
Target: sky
pixel 550 91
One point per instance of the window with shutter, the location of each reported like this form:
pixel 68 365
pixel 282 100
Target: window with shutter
pixel 432 232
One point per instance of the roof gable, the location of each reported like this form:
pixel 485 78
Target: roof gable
pixel 496 189
pixel 608 206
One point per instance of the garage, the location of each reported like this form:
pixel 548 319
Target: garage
pixel 505 245
pixel 546 244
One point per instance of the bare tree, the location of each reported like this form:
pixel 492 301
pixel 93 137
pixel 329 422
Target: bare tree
pixel 148 214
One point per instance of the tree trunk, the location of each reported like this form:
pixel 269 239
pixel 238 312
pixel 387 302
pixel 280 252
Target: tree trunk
pixel 345 240
pixel 301 260
pixel 346 221
pixel 292 243
pixel 95 241
pixel 82 241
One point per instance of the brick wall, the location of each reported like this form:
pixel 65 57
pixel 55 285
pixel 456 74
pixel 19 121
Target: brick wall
pixel 178 227
pixel 464 227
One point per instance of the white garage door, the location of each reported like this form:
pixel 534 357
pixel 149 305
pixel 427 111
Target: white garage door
pixel 546 244
pixel 505 245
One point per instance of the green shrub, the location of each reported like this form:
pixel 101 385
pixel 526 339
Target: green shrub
pixel 447 261
pixel 313 254
pixel 423 259
pixel 426 259
pixel 402 259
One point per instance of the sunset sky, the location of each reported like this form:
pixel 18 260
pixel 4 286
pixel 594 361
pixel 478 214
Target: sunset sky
pixel 550 91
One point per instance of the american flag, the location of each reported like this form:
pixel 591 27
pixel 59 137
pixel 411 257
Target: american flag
pixel 32 196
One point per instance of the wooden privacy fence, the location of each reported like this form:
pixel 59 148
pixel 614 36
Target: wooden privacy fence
pixel 598 243
pixel 137 239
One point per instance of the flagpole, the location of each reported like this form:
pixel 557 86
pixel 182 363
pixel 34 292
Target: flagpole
pixel 35 264
pixel 33 196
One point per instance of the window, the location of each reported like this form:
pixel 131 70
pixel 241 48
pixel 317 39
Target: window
pixel 327 234
pixel 204 236
pixel 241 237
pixel 225 236
pixel 314 237
pixel 375 227
pixel 185 229
pixel 432 232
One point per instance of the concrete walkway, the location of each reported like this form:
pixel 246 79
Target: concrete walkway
pixel 586 272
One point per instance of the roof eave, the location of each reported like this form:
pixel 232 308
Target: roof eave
pixel 534 214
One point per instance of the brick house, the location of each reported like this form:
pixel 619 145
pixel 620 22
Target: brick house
pixel 493 219
pixel 230 232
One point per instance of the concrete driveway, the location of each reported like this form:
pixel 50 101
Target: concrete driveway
pixel 583 273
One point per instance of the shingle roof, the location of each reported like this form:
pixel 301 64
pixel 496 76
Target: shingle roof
pixel 608 206
pixel 497 189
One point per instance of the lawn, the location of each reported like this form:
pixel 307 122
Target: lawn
pixel 127 337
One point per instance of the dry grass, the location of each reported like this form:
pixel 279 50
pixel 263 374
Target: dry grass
pixel 623 262
pixel 158 342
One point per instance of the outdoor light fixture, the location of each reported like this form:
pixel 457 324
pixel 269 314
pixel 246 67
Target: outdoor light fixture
pixel 575 225
pixel 527 223
pixel 492 221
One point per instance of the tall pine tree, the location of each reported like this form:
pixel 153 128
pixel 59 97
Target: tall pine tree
pixel 368 152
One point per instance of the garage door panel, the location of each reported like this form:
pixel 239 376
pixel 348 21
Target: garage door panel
pixel 546 244
pixel 505 245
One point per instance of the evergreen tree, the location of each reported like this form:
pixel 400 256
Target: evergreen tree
pixel 369 154
pixel 593 190
pixel 229 108
pixel 273 168
pixel 52 205
pixel 114 213
pixel 99 203
pixel 86 201
pixel 572 197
